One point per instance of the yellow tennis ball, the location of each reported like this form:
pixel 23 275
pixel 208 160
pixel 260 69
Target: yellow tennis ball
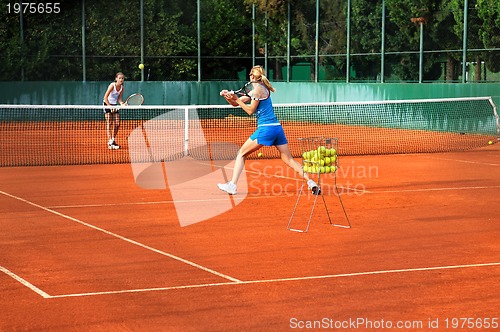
pixel 321 150
pixel 141 66
pixel 259 154
pixel 490 142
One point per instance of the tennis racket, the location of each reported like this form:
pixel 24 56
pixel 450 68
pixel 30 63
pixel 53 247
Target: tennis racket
pixel 252 89
pixel 135 99
pixel 246 90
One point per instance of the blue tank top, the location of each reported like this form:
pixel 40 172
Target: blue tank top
pixel 265 113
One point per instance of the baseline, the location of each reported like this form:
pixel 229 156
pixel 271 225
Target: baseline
pixel 279 280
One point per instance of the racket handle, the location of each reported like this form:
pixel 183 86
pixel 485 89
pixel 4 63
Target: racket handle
pixel 226 92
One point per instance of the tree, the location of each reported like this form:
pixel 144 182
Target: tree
pixel 112 39
pixel 474 24
pixel 438 34
pixel 44 49
pixel 489 12
pixel 226 36
pixel 271 30
pixel 366 21
pixel 332 42
pixel 49 46
pixel 170 40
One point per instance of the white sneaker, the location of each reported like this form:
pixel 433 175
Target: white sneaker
pixel 229 187
pixel 112 145
pixel 313 186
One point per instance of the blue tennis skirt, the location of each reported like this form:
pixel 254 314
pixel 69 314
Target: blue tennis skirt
pixel 270 135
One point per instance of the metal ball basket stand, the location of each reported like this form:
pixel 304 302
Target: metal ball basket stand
pixel 320 161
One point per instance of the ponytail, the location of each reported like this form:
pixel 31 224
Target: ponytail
pixel 258 73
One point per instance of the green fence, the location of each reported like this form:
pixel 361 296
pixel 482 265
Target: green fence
pixel 207 93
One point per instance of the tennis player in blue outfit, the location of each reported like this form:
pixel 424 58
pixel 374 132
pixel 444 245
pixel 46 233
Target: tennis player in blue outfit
pixel 269 130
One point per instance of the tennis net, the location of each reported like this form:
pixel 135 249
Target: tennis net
pixel 72 135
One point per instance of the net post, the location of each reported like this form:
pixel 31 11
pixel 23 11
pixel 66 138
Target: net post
pixel 495 113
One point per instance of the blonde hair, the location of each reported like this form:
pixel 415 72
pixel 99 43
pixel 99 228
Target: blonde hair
pixel 259 75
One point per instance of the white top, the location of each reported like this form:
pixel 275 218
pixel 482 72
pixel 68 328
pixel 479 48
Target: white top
pixel 114 94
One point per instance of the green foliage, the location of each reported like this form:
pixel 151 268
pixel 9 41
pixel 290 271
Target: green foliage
pixel 366 18
pixel 169 44
pixel 439 33
pixel 45 39
pixel 226 36
pixel 489 12
pixel 49 46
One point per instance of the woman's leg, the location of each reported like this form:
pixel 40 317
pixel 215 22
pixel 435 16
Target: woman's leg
pixel 116 123
pixel 248 147
pixel 287 158
pixel 107 116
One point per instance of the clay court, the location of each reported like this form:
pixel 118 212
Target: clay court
pixel 85 248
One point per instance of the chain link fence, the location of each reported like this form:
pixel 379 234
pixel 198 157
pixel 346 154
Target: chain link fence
pixel 311 41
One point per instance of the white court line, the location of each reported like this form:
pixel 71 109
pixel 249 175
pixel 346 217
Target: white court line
pixel 106 204
pixel 236 198
pixel 286 177
pixel 279 280
pixel 25 283
pixel 154 202
pixel 341 188
pixel 430 189
pixel 183 201
pixel 133 203
pixel 461 161
pixel 185 261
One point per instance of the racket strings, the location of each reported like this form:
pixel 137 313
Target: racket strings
pixel 135 100
pixel 258 92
